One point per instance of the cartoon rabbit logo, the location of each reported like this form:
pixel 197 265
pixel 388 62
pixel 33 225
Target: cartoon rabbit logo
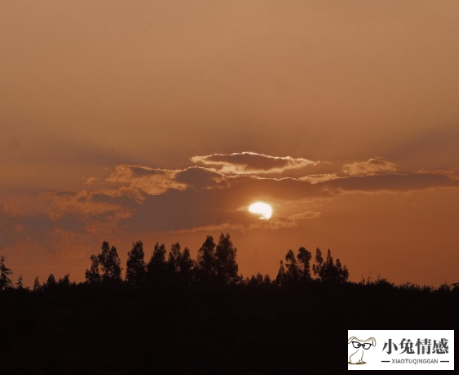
pixel 361 346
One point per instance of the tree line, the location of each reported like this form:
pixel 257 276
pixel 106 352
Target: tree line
pixel 199 315
pixel 215 263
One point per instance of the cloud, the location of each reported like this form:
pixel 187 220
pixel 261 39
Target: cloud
pixel 251 163
pixel 452 174
pixel 201 178
pixel 319 178
pixel 392 182
pixel 40 228
pixel 247 225
pixel 138 179
pixel 371 166
pixel 136 199
pixel 225 207
pixel 200 197
pixel 83 202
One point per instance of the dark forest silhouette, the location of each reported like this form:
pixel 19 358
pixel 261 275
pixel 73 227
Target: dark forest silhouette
pixel 173 314
pixel 215 264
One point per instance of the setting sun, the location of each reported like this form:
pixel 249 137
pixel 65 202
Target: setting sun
pixel 263 209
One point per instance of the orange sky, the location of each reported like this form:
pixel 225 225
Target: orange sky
pixel 163 120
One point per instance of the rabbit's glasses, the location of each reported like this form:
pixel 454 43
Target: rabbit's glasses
pixel 357 345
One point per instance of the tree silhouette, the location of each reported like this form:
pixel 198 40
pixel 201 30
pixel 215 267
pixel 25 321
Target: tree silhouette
pixel 36 285
pixel 19 284
pixel 186 266
pixel 304 258
pixel 318 265
pixel 136 270
pixel 296 269
pixel 205 262
pixel 329 271
pixel 51 282
pixel 217 263
pixel 292 273
pixel 226 267
pixel 93 274
pixel 342 273
pixel 179 265
pixel 157 267
pixel 280 278
pixel 256 280
pixel 105 266
pixel 175 257
pixel 64 282
pixel 5 281
pixel 110 263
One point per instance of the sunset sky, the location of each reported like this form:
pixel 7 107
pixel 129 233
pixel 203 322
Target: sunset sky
pixel 164 120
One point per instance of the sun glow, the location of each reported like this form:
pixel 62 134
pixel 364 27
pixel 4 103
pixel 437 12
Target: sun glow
pixel 263 209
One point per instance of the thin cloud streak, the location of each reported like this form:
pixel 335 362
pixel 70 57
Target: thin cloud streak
pixel 371 166
pixel 251 163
